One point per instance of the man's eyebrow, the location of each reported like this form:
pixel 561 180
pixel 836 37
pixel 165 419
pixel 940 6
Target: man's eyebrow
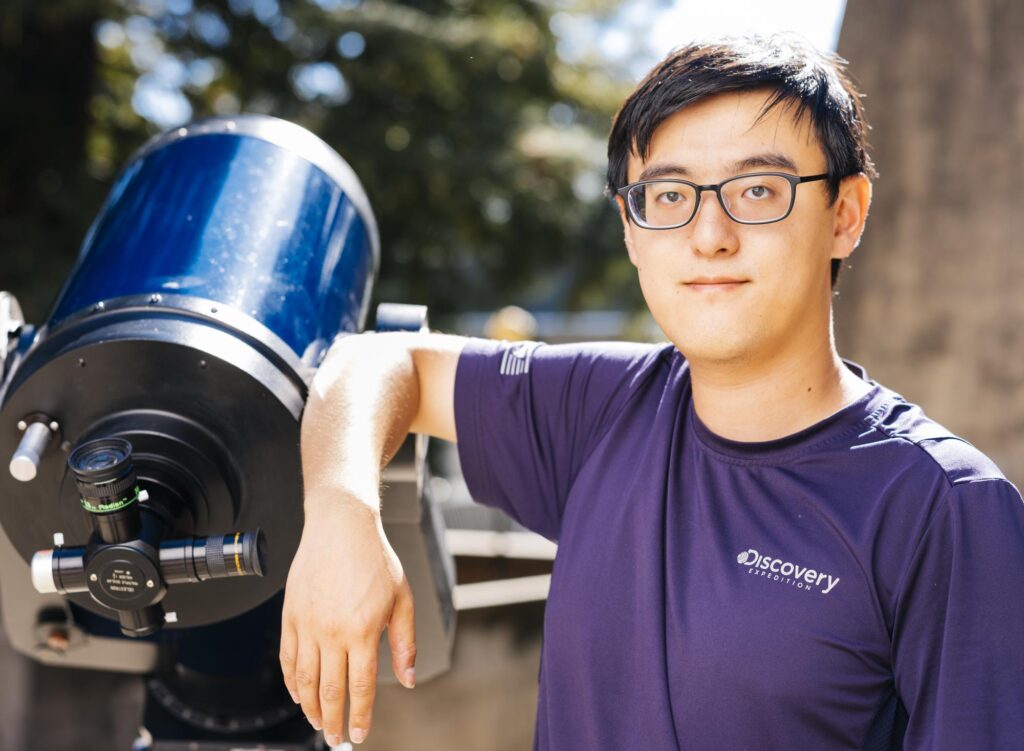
pixel 769 160
pixel 663 170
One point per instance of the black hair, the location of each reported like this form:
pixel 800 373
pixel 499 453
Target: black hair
pixel 812 82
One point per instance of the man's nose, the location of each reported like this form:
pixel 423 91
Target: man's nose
pixel 714 233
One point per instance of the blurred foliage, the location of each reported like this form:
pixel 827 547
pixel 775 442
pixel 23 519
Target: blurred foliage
pixel 482 151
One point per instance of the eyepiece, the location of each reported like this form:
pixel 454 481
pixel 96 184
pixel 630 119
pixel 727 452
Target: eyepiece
pixel 100 458
pixel 105 475
pixel 246 551
pixel 108 486
pixel 101 461
pixel 215 557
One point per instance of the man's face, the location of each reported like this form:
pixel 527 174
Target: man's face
pixel 781 297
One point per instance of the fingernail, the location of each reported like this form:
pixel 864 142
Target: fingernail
pixel 333 740
pixel 409 677
pixel 294 695
pixel 315 723
pixel 358 735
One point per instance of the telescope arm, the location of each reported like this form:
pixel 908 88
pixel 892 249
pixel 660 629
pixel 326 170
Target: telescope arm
pixel 370 391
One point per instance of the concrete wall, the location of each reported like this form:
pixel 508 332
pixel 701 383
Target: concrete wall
pixel 932 304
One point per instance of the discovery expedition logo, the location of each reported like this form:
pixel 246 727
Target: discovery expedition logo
pixel 786 572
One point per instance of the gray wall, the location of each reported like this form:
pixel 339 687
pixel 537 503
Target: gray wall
pixel 931 305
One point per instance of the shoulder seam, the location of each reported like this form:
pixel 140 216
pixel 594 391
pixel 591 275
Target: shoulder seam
pixel 944 505
pixel 987 478
pixel 940 507
pixel 918 444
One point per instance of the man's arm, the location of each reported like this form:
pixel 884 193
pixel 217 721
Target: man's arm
pixel 346 584
pixel 957 652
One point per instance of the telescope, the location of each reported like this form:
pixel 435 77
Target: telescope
pixel 152 499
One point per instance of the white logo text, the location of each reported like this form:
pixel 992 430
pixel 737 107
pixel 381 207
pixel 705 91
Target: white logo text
pixel 778 569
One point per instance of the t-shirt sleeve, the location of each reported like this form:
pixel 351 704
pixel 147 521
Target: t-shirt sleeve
pixel 958 649
pixel 527 414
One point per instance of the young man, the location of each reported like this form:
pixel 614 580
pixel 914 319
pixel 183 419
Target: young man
pixel 759 546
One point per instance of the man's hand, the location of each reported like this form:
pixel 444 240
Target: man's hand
pixel 345 586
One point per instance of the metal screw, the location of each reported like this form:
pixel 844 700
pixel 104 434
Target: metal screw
pixel 22 425
pixel 154 298
pixel 202 364
pixel 93 577
pixel 98 306
pixel 213 310
pixel 81 362
pixel 54 426
pixel 149 583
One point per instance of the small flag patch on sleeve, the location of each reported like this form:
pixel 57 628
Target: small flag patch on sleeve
pixel 516 359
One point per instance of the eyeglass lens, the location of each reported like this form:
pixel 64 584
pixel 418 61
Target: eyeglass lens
pixel 754 198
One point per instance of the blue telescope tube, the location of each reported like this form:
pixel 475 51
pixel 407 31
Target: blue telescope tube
pixel 250 212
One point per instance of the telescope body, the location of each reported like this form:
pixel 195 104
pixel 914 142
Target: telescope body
pixel 226 259
pixel 254 214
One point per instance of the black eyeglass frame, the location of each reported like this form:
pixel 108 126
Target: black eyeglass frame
pixel 794 180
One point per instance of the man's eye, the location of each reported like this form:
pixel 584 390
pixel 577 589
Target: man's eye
pixel 670 197
pixel 758 192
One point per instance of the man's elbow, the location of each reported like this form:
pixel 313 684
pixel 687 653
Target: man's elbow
pixel 436 358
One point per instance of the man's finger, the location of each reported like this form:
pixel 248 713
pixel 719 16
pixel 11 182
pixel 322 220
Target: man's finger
pixel 402 636
pixel 362 686
pixel 289 650
pixel 307 679
pixel 333 675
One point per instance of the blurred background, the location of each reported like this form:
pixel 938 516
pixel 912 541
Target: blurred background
pixel 478 129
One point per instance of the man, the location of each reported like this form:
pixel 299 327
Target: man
pixel 759 547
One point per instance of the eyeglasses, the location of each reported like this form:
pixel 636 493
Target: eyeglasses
pixel 754 198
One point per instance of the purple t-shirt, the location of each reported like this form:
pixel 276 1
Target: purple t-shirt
pixel 855 583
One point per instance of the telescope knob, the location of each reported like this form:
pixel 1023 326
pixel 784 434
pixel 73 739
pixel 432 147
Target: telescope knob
pixel 393 316
pixel 25 462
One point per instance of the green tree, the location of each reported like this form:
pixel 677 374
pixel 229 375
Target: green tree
pixel 482 150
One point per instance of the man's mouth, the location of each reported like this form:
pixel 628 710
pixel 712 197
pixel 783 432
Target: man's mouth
pixel 709 283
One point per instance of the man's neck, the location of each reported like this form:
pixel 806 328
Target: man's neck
pixel 773 397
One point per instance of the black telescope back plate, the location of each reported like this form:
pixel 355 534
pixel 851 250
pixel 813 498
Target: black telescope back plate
pixel 211 408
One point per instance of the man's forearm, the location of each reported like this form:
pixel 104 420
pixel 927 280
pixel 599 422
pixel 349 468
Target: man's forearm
pixel 361 405
pixel 364 399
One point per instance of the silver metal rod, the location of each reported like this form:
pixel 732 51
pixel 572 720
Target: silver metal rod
pixel 25 462
pixel 490 594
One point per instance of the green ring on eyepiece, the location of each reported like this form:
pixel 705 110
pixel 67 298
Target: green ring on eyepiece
pixel 115 505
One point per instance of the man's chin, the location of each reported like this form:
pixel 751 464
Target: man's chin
pixel 711 351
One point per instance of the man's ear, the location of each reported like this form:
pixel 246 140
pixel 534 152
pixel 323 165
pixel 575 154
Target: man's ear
pixel 626 226
pixel 850 214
